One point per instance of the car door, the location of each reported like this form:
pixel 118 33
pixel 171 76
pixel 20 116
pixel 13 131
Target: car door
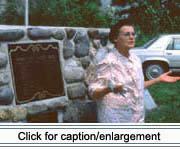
pixel 172 53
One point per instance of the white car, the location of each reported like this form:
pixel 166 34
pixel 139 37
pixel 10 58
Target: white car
pixel 160 55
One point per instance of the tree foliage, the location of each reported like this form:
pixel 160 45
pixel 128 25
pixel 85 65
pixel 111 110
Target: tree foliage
pixel 157 16
pixel 84 13
pixel 154 17
pixel 11 15
pixel 67 13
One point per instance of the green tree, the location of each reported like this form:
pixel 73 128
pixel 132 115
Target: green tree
pixel 11 15
pixel 157 16
pixel 154 17
pixel 84 13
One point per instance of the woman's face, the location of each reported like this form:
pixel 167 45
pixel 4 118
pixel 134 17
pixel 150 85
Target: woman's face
pixel 126 38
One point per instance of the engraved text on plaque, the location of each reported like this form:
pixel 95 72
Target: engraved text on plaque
pixel 36 71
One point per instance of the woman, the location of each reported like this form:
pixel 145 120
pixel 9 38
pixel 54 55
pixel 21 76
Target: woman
pixel 118 84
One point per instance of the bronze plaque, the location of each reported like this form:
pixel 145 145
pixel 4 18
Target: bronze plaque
pixel 36 71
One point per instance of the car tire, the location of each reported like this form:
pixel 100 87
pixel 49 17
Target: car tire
pixel 154 70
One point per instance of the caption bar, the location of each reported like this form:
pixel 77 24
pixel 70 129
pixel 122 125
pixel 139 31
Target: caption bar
pixel 81 136
pixel 89 135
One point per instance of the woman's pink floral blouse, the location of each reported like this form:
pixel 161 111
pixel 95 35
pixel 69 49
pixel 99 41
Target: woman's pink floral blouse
pixel 127 105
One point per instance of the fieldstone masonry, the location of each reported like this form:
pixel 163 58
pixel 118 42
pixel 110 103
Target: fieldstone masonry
pixel 74 45
pixel 77 46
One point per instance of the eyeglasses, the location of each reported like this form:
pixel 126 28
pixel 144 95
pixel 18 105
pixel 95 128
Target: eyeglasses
pixel 127 34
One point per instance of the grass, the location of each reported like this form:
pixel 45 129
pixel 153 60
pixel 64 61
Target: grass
pixel 167 97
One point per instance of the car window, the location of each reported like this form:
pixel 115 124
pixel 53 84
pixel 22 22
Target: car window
pixel 176 44
pixel 149 43
pixel 170 46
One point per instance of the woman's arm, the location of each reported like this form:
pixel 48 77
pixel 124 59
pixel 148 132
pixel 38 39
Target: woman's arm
pixel 100 92
pixel 163 78
pixel 151 82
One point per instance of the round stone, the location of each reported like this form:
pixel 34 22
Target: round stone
pixel 11 34
pixel 59 34
pixel 3 60
pixel 6 96
pixel 70 32
pixel 38 33
pixel 68 49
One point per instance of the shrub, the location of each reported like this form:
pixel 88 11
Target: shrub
pixel 11 15
pixel 157 16
pixel 80 13
pixel 84 13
